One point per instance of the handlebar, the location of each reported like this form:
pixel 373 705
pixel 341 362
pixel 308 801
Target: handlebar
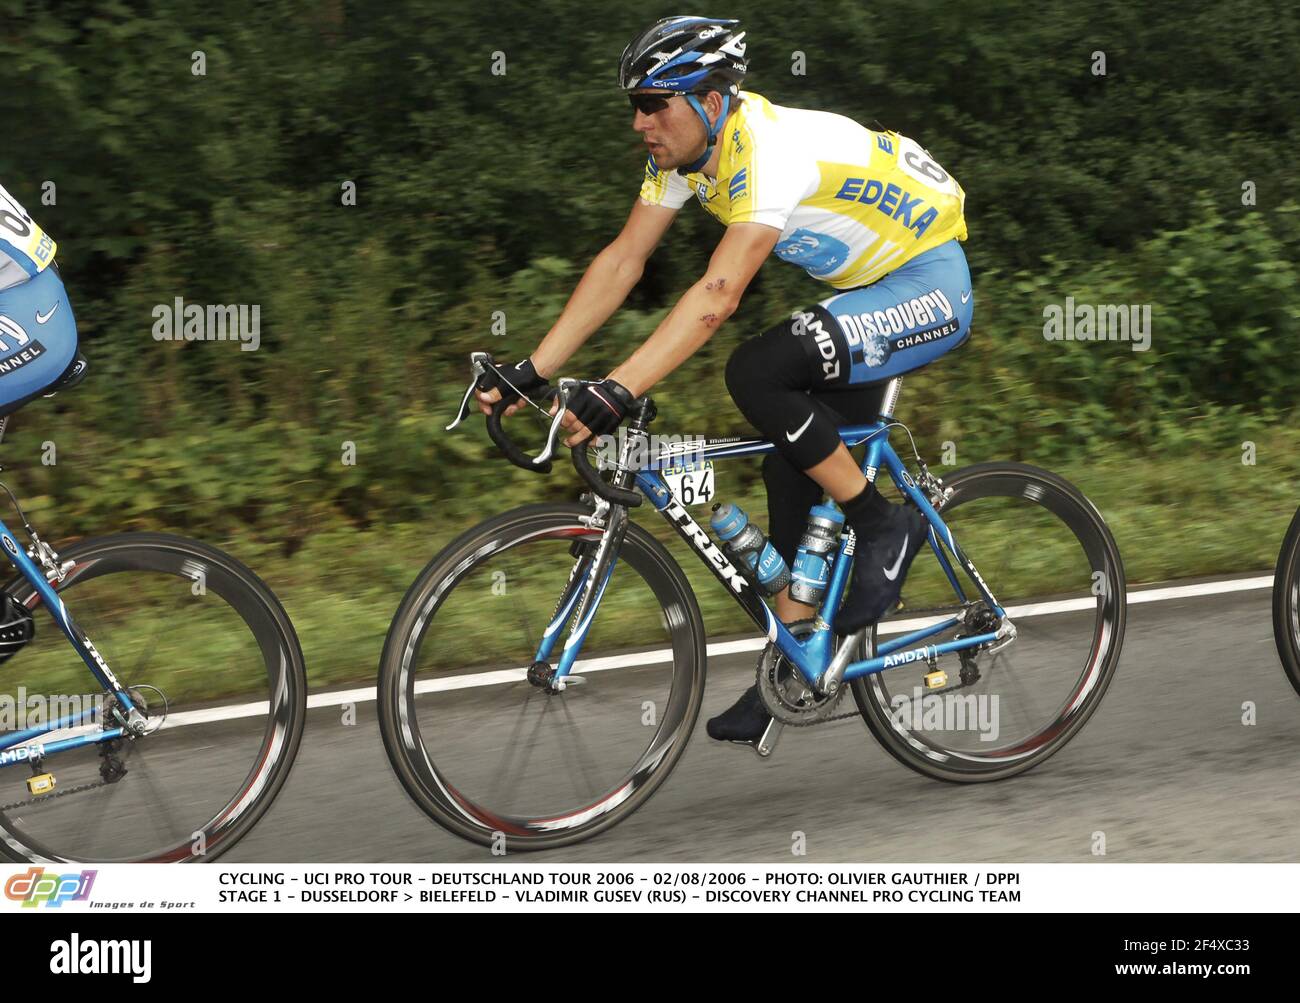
pixel 610 492
pixel 540 464
pixel 481 364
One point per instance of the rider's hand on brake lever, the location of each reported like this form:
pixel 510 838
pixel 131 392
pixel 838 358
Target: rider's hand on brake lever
pixel 596 409
pixel 570 424
pixel 511 380
pixel 490 397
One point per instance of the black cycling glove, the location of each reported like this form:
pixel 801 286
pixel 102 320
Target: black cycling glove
pixel 521 374
pixel 601 406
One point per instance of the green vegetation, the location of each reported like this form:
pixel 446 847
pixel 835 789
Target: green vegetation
pixel 480 196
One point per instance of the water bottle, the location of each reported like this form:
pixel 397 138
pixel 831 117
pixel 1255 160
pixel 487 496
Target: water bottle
pixel 745 545
pixel 812 564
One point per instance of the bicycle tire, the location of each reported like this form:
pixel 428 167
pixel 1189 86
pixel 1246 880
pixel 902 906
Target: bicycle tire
pixel 398 722
pixel 271 630
pixel 968 484
pixel 1286 603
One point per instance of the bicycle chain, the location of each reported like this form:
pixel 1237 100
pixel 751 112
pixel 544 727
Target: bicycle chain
pixel 39 799
pixel 792 719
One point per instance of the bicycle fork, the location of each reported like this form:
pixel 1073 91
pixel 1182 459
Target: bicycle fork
pixel 578 603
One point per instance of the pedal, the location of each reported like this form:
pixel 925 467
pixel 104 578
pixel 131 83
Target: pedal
pixel 766 743
pixel 42 783
pixel 936 679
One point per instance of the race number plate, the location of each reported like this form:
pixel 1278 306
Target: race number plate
pixel 691 483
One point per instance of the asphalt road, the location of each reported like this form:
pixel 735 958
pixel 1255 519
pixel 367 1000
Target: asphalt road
pixel 1166 770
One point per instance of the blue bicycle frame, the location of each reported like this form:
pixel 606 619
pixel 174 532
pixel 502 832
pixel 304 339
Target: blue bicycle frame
pixel 812 656
pixel 11 756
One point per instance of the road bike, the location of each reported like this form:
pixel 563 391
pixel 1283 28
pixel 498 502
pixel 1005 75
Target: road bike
pixel 184 729
pixel 513 732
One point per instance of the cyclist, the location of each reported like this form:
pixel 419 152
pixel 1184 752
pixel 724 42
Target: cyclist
pixel 868 212
pixel 38 334
pixel 38 346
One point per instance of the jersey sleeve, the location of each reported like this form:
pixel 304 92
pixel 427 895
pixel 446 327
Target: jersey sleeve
pixel 768 178
pixel 666 188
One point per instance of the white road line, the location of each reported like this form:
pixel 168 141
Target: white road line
pixel 661 655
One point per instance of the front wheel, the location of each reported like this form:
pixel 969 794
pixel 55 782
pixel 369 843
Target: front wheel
pixel 1286 603
pixel 1052 564
pixel 209 656
pixel 478 740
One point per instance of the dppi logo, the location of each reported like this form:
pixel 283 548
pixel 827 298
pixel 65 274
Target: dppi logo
pixel 34 887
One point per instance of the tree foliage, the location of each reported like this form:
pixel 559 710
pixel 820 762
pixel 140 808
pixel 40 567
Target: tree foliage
pixel 481 194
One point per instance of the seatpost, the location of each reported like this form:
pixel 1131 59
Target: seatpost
pixel 890 400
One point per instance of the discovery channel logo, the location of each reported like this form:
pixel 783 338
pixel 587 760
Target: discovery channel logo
pixel 34 887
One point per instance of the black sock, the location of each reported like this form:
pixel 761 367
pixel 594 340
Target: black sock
pixel 868 506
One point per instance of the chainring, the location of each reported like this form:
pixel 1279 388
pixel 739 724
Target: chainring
pixel 786 694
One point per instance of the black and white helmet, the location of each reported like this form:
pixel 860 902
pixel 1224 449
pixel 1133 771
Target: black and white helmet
pixel 685 54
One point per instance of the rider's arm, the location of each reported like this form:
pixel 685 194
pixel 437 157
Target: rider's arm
pixel 701 311
pixel 604 286
pixel 606 283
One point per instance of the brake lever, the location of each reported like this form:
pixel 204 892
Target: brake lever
pixel 562 391
pixel 478 363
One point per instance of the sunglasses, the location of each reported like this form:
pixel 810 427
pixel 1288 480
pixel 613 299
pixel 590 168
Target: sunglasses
pixel 649 104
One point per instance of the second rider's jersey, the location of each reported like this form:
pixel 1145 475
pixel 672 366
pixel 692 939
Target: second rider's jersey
pixel 851 204
pixel 25 249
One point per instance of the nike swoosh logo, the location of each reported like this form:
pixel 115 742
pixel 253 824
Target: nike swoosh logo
pixel 42 318
pixel 966 295
pixel 892 573
pixel 792 436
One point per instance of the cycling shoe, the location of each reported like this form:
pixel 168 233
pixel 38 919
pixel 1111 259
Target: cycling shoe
pixel 885 548
pixel 743 721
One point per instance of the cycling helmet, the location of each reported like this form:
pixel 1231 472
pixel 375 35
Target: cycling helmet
pixel 688 55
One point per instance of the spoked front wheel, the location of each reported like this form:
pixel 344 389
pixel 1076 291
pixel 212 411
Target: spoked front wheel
pixel 1052 564
pixel 480 741
pixel 207 654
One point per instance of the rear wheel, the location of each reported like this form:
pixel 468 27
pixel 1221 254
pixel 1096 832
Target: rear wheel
pixel 209 656
pixel 1052 564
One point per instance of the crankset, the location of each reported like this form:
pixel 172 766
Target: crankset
pixel 788 697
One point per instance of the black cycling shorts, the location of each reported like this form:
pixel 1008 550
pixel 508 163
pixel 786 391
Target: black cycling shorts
pixel 800 380
pixel 775 372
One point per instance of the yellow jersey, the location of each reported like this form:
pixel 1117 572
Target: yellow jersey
pixel 852 204
pixel 25 249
